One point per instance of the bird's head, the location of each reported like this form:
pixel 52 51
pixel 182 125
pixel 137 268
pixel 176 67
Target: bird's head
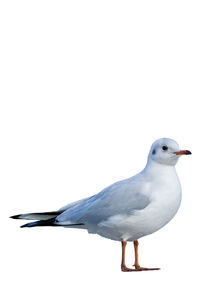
pixel 166 151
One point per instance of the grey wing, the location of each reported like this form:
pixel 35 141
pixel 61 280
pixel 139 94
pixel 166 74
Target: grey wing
pixel 123 197
pixel 76 203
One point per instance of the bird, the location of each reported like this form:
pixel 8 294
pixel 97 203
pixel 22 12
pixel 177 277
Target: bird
pixel 128 209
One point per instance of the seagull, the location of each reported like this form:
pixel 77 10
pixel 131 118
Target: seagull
pixel 129 209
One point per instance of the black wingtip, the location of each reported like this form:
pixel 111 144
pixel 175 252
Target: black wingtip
pixel 25 225
pixel 22 226
pixel 15 217
pixel 49 222
pixel 32 224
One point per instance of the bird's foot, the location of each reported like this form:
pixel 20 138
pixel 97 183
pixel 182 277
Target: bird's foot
pixel 125 269
pixel 138 268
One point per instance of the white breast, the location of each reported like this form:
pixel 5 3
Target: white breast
pixel 165 194
pixel 163 207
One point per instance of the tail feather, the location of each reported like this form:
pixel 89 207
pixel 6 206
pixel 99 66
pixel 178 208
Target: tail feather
pixel 38 216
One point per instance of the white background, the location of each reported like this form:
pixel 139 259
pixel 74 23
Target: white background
pixel 86 87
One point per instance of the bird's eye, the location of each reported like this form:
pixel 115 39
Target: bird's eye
pixel 165 148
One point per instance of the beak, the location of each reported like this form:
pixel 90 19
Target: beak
pixel 183 152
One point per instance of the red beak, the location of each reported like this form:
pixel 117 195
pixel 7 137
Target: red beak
pixel 183 152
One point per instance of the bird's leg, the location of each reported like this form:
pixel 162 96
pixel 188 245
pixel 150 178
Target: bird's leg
pixel 123 253
pixel 123 264
pixel 136 264
pixel 124 268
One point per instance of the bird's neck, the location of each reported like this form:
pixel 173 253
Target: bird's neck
pixel 153 168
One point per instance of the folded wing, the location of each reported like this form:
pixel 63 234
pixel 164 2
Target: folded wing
pixel 123 197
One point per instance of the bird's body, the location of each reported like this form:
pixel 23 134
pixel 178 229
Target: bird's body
pixel 129 209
